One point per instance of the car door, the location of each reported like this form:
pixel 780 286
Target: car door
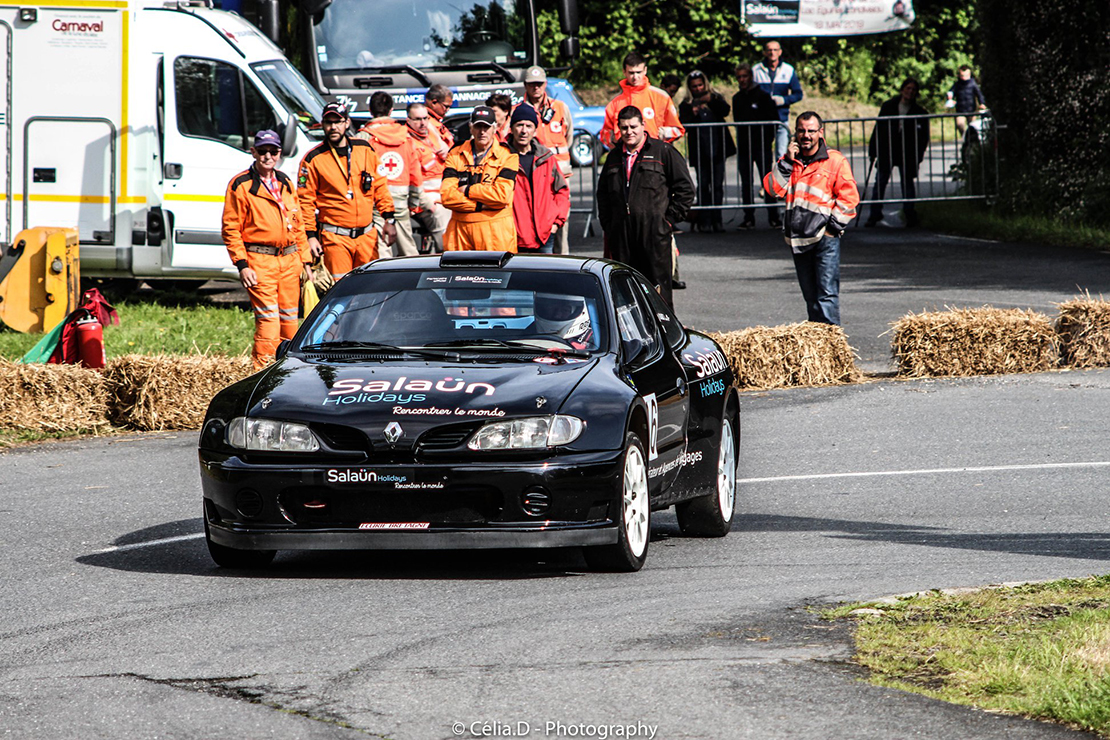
pixel 658 377
pixel 212 111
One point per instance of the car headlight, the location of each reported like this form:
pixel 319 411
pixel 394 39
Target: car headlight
pixel 267 435
pixel 532 433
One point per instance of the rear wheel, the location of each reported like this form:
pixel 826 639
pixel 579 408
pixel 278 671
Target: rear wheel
pixel 629 552
pixel 230 557
pixel 711 516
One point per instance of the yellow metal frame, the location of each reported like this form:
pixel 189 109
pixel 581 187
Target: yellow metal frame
pixel 45 284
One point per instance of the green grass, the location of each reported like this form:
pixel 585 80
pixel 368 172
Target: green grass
pixel 173 323
pixel 978 220
pixel 1041 651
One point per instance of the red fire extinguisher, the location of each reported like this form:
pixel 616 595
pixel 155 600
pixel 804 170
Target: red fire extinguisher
pixel 90 343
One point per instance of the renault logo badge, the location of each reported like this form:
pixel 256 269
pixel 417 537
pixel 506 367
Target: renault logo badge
pixel 393 432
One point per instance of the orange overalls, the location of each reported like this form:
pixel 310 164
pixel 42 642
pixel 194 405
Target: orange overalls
pixel 338 193
pixel 262 229
pixel 401 168
pixel 660 115
pixel 480 197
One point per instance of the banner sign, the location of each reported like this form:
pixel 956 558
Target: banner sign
pixel 825 17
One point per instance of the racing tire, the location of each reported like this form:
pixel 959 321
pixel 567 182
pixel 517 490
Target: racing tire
pixel 230 557
pixel 711 516
pixel 628 553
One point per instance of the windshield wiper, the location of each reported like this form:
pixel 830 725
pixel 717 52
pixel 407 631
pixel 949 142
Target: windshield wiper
pixel 513 344
pixel 480 65
pixel 375 347
pixel 407 69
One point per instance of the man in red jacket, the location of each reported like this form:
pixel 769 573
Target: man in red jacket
pixel 541 201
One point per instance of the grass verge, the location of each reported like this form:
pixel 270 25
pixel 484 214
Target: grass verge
pixel 977 220
pixel 172 323
pixel 1038 650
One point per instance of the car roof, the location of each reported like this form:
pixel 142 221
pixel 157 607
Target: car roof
pixel 449 261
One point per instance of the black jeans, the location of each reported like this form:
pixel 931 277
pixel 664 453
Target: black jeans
pixel 711 187
pixel 882 178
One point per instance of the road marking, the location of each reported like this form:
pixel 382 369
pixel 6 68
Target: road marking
pixel 929 471
pixel 152 543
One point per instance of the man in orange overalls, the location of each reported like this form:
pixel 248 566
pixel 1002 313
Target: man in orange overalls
pixel 265 239
pixel 338 188
pixel 399 165
pixel 431 152
pixel 478 184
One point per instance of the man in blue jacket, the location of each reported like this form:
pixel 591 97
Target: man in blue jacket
pixel 779 80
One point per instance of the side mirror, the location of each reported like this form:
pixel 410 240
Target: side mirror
pixel 633 350
pixel 289 137
pixel 282 349
pixel 569 48
pixel 312 7
pixel 268 18
pixel 568 17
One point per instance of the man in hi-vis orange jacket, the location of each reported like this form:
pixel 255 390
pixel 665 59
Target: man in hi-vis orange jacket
pixel 478 183
pixel 338 187
pixel 265 239
pixel 660 115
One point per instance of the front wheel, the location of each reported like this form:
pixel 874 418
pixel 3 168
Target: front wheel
pixel 629 552
pixel 230 557
pixel 711 516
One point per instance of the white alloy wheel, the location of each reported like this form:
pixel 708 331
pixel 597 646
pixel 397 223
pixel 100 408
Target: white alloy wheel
pixel 637 529
pixel 726 471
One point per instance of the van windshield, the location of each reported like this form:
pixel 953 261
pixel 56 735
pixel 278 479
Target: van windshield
pixel 294 92
pixel 370 34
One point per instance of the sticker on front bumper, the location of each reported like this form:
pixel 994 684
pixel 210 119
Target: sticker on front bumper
pixel 394 525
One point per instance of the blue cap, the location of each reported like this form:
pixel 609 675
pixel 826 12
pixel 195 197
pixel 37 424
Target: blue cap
pixel 266 137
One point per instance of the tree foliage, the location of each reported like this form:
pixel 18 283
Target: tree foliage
pixel 1045 72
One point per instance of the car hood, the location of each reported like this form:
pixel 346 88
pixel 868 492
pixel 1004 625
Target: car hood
pixel 416 394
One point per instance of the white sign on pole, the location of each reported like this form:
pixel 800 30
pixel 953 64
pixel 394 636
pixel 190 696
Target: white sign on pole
pixel 825 17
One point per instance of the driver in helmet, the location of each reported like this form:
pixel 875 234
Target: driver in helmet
pixel 563 316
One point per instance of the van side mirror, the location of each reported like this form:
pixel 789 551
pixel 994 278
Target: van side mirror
pixel 268 18
pixel 568 17
pixel 289 137
pixel 312 7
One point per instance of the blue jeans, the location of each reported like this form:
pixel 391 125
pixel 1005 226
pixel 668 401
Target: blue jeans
pixel 782 138
pixel 819 275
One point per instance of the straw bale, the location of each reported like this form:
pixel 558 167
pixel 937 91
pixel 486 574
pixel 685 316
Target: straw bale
pixel 1084 330
pixel 161 392
pixel 51 398
pixel 791 355
pixel 974 341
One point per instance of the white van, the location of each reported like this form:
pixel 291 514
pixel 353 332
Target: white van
pixel 127 119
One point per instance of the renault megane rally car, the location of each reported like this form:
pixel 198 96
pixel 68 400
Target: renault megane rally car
pixel 475 399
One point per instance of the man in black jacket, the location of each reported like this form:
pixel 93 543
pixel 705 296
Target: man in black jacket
pixel 644 190
pixel 709 147
pixel 898 143
pixel 750 105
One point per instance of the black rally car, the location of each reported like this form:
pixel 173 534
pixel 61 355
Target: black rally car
pixel 475 399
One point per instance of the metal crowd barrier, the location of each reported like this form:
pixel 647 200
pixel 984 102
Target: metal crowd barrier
pixel 953 165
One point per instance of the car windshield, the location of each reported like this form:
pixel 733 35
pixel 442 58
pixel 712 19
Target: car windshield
pixel 294 92
pixel 484 310
pixel 368 34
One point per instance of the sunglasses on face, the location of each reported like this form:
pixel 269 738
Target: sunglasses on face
pixel 268 151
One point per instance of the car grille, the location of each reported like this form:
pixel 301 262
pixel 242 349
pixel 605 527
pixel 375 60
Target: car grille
pixel 444 438
pixel 343 438
pixel 451 505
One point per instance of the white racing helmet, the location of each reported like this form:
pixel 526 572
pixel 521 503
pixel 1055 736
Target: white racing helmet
pixel 563 316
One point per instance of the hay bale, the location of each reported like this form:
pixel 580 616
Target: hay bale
pixel 51 398
pixel 974 341
pixel 1084 331
pixel 161 392
pixel 789 355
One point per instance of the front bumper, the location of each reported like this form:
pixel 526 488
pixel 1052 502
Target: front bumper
pixel 267 506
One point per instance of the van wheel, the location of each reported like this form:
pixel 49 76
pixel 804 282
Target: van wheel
pixel 711 516
pixel 629 552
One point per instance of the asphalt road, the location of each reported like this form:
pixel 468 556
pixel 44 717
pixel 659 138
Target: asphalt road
pixel 117 624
